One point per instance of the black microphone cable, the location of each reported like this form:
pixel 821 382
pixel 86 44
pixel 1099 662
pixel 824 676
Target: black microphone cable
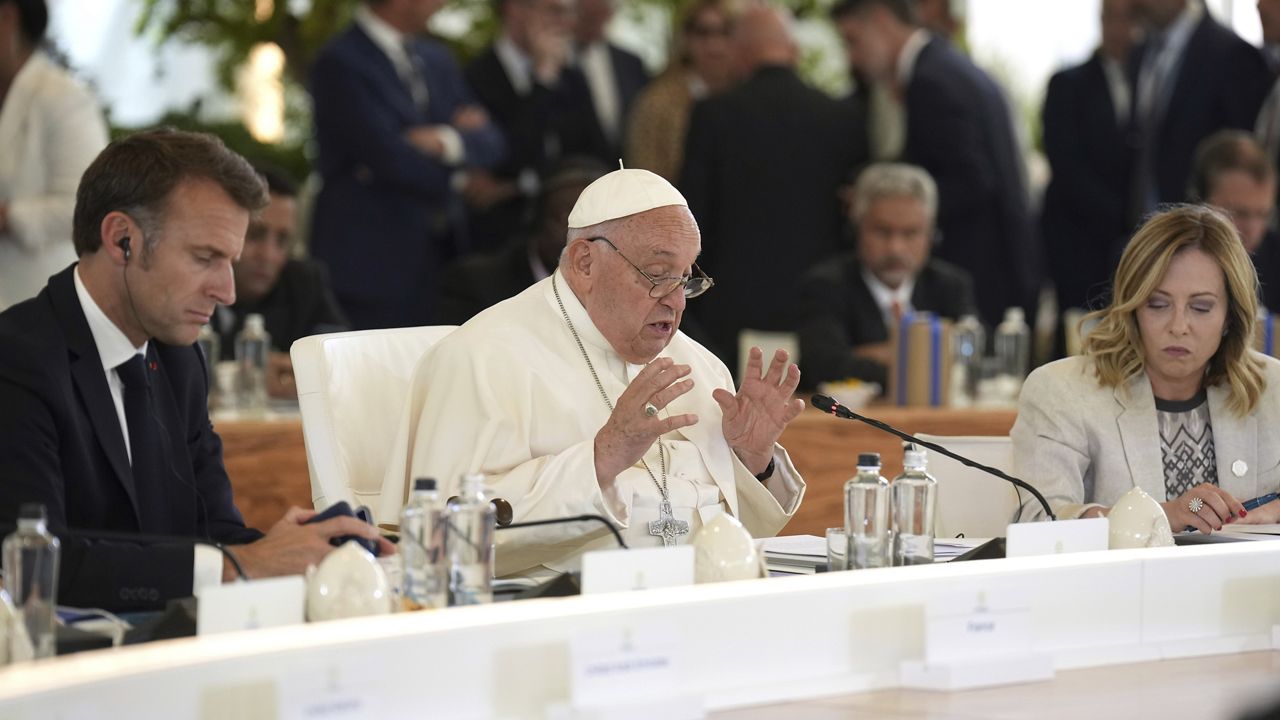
pixel 830 405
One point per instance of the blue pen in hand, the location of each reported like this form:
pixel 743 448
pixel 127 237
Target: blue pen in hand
pixel 1259 501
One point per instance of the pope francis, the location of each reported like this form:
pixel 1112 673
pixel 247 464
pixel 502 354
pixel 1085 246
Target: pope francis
pixel 581 395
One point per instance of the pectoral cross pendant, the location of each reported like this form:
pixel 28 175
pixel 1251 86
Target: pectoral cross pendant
pixel 667 526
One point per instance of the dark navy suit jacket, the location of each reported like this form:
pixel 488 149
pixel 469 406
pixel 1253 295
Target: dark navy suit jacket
pixel 960 129
pixel 1221 83
pixel 1084 221
pixel 835 312
pixel 61 445
pixel 387 218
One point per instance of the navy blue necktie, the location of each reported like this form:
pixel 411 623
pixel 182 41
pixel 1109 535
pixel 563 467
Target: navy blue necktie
pixel 145 443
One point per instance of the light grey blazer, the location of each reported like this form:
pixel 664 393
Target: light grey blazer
pixel 1081 444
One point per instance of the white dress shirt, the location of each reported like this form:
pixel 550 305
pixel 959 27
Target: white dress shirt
pixel 885 296
pixel 597 66
pixel 114 349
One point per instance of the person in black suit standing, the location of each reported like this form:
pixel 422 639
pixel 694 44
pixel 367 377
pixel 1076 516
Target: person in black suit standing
pixel 959 129
pixel 103 413
pixel 614 76
pixel 763 165
pixel 528 83
pixel 847 303
pixel 480 281
pixel 1193 77
pixel 1086 117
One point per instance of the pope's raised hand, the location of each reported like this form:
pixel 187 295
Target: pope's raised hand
pixel 755 417
pixel 631 429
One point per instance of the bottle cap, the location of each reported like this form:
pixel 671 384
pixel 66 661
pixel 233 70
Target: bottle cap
pixel 31 511
pixel 868 459
pixel 424 484
pixel 915 459
pixel 255 322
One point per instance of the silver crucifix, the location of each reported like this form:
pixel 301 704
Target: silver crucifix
pixel 667 526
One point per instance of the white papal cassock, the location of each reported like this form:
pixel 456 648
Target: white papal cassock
pixel 509 395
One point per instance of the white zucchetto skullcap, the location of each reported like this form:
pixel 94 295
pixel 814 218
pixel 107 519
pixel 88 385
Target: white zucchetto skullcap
pixel 622 193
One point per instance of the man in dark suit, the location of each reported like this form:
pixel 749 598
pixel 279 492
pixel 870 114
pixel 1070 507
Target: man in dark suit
pixel 613 75
pixel 395 126
pixel 291 294
pixel 103 415
pixel 530 86
pixel 763 165
pixel 959 129
pixel 1234 173
pixel 1193 77
pixel 1086 118
pixel 479 281
pixel 847 303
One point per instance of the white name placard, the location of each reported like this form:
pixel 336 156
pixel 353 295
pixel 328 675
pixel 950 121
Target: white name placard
pixel 1057 537
pixel 967 627
pixel 250 605
pixel 639 569
pixel 633 665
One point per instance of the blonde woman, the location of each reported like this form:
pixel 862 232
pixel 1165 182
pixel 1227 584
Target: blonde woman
pixel 1169 395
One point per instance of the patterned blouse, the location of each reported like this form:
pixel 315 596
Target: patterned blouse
pixel 1186 444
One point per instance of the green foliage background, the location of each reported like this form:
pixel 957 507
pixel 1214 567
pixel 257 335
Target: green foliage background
pixel 231 29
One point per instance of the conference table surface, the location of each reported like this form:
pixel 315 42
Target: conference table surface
pixel 1205 688
pixel 267 461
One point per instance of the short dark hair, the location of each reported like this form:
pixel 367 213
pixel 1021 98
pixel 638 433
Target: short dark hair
pixel 1223 152
pixel 137 174
pixel 279 181
pixel 33 18
pixel 904 10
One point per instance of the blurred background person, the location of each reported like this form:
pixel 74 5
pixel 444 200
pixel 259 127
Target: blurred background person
pixel 51 128
pixel 960 130
pixel 1194 77
pixel 763 165
pixel 479 281
pixel 1169 395
pixel 614 76
pixel 1084 221
pixel 395 125
pixel 528 83
pixel 847 303
pixel 702 66
pixel 292 294
pixel 1233 173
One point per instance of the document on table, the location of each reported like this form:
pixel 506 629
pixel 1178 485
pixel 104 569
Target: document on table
pixel 805 554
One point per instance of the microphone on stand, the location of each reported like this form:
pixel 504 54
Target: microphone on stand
pixel 565 520
pixel 992 549
pixel 565 583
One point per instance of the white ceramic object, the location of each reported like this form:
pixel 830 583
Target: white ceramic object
pixel 1138 521
pixel 723 550
pixel 348 583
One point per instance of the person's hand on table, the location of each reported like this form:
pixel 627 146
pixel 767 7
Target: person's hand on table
pixel 290 546
pixel 1268 514
pixel 634 425
pixel 755 417
pixel 280 383
pixel 1205 507
pixel 881 352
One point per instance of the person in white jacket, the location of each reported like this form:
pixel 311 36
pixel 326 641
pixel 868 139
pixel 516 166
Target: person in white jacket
pixel 51 128
pixel 580 395
pixel 1169 395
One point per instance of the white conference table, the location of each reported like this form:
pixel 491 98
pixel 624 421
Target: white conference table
pixel 828 645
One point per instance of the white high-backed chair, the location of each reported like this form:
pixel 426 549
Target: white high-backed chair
pixel 351 391
pixel 971 501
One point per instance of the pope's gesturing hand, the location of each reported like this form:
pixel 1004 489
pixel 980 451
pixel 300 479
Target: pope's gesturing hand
pixel 757 415
pixel 632 427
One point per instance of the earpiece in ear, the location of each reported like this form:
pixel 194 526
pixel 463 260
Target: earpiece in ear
pixel 124 245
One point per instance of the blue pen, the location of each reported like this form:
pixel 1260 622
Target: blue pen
pixel 1259 501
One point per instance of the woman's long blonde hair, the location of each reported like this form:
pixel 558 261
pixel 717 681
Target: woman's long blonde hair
pixel 1115 345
